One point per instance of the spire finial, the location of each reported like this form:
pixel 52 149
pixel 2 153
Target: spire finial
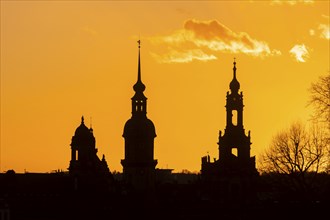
pixel 82 119
pixel 234 67
pixel 91 122
pixel 139 64
pixel 139 86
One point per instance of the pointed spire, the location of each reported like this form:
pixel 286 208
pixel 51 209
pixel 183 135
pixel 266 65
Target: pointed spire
pixel 82 119
pixel 139 86
pixel 234 69
pixel 139 62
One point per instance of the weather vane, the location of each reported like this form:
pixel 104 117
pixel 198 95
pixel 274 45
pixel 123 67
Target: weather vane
pixel 139 42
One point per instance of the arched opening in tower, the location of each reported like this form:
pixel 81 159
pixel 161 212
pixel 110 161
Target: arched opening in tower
pixel 234 152
pixel 234 117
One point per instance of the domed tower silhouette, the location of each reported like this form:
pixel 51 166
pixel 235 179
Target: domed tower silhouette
pixel 139 133
pixel 84 159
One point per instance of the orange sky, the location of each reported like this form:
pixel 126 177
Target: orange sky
pixel 61 60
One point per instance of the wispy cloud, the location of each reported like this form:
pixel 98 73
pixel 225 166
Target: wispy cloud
pixel 299 52
pixel 212 36
pixel 291 2
pixel 218 37
pixel 323 29
pixel 175 56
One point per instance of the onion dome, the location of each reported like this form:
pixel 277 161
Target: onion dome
pixel 234 84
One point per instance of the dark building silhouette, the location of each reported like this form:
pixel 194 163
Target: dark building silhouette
pixel 84 159
pixel 235 167
pixel 88 173
pixel 139 133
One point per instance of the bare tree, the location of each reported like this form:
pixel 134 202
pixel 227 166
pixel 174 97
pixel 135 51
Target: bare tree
pixel 298 153
pixel 320 99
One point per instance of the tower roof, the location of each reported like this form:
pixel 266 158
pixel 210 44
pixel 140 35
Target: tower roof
pixel 82 129
pixel 139 87
pixel 139 124
pixel 234 84
pixel 139 128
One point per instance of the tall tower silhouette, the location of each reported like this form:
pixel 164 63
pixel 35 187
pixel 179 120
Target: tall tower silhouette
pixel 234 145
pixel 235 166
pixel 139 133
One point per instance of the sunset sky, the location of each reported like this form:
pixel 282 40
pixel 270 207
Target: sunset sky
pixel 61 60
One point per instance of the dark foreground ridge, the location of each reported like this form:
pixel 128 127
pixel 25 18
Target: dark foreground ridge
pixel 56 196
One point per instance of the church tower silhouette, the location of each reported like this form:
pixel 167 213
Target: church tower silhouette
pixel 139 133
pixel 234 144
pixel 235 138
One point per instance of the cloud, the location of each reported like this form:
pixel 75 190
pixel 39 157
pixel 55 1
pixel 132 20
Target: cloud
pixel 291 2
pixel 175 56
pixel 218 37
pixel 300 53
pixel 214 36
pixel 323 29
